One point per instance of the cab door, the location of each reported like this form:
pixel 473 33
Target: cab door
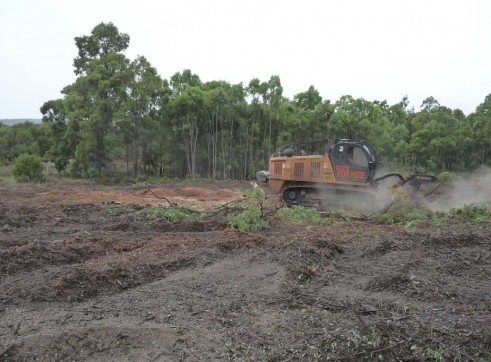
pixel 351 162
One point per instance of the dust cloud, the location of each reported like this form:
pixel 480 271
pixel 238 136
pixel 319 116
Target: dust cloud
pixel 469 189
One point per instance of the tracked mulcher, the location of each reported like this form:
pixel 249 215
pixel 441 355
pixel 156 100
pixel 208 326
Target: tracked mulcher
pixel 331 172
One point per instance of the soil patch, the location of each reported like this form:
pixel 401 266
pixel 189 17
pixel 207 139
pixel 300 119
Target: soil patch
pixel 84 277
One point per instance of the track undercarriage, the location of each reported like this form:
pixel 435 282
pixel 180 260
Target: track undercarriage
pixel 329 196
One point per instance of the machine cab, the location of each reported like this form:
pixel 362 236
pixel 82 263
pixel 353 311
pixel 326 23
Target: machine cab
pixel 352 161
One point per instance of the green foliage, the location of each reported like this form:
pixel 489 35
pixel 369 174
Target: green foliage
pixel 404 211
pixel 171 213
pixel 121 110
pixel 366 345
pixel 299 214
pixel 256 194
pixel 435 355
pixel 251 219
pixel 23 138
pixel 429 354
pixel 470 213
pixel 446 178
pixel 28 168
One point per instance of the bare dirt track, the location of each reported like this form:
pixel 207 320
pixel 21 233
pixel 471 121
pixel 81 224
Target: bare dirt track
pixel 83 276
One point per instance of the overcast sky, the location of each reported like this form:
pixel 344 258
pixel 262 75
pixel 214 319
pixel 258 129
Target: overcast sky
pixel 377 49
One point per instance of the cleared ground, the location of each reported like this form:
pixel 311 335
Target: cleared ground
pixel 85 275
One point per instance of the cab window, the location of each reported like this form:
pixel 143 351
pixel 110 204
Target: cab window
pixel 350 163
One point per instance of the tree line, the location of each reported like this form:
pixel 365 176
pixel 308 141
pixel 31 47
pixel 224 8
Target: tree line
pixel 120 114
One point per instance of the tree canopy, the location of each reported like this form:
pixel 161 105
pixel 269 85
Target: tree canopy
pixel 120 114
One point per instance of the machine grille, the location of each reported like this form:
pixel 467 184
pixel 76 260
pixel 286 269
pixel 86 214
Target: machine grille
pixel 315 169
pixel 277 168
pixel 298 169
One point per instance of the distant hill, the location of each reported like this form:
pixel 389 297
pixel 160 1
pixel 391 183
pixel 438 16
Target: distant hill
pixel 10 122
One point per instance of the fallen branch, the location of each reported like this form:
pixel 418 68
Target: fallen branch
pixel 272 212
pixel 364 325
pixel 363 217
pixel 225 207
pixel 151 271
pixel 342 217
pixel 432 191
pixel 172 204
pixel 89 278
pixel 16 329
pixel 332 306
pixel 388 207
pixel 261 206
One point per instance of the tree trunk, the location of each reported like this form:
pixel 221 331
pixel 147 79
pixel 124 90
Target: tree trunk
pixel 127 158
pixel 136 156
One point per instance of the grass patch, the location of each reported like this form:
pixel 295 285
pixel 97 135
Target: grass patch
pixel 170 214
pixel 299 214
pixel 6 176
pixel 473 213
pixel 6 170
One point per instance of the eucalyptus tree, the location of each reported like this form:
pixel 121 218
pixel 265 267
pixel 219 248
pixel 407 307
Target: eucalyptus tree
pixel 307 117
pixel 222 127
pixel 179 82
pixel 303 122
pixel 62 144
pixel 187 110
pixel 20 138
pixel 357 118
pixel 273 98
pixel 433 141
pixel 480 123
pixel 97 94
pixel 308 100
pixel 8 144
pixel 398 116
pixel 214 125
pixel 139 108
pixel 161 147
pixel 346 118
pixel 267 98
pixel 5 138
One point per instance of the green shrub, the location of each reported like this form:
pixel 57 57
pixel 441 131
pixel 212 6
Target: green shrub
pixel 171 213
pixel 366 344
pixel 250 219
pixel 446 178
pixel 256 194
pixel 28 168
pixel 298 214
pixel 434 355
pixel 471 213
pixel 404 211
